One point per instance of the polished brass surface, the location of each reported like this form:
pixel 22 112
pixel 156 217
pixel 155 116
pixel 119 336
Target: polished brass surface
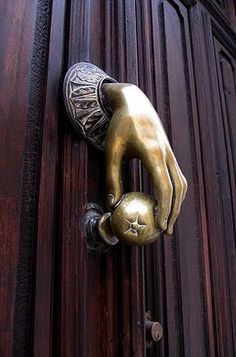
pixel 132 221
pixel 135 130
pixel 120 118
pixel 105 230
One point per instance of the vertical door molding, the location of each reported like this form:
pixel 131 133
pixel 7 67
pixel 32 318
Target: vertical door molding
pixel 217 172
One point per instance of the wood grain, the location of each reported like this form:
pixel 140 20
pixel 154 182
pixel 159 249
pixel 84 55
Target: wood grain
pixel 56 299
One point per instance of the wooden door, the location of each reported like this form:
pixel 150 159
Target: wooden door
pixel 57 299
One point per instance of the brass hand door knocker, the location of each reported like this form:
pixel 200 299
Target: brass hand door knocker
pixel 119 118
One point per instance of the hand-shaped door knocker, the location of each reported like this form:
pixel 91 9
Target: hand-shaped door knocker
pixel 119 118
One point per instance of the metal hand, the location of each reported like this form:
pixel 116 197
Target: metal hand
pixel 135 130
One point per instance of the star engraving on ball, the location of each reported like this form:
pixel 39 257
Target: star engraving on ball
pixel 134 226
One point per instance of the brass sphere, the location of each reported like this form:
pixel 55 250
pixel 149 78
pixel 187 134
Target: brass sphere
pixel 133 219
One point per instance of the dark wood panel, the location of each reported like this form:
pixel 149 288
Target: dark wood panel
pixel 24 40
pixel 224 12
pixel 24 302
pixel 219 6
pixel 182 255
pixel 153 50
pixel 217 164
pixel 225 65
pixel 48 225
pixel 159 290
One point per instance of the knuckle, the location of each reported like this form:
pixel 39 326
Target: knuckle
pixel 156 152
pixel 167 190
pixel 181 186
pixel 178 188
pixel 162 222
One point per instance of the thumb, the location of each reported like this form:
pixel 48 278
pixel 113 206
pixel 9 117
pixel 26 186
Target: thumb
pixel 113 175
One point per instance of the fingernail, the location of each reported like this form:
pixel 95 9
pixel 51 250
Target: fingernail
pixel 170 231
pixel 111 199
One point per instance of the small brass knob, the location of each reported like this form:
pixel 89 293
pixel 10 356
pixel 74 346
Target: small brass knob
pixel 154 330
pixel 132 221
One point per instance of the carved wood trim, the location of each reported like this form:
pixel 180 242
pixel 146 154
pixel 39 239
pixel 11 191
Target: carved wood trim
pixel 221 16
pixel 189 3
pixel 23 340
